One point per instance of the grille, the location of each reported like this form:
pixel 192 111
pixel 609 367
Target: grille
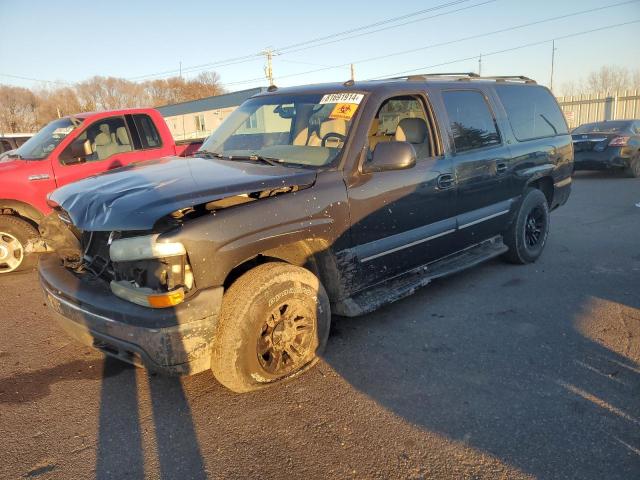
pixel 96 254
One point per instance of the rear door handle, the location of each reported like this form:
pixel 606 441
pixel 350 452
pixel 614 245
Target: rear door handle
pixel 501 167
pixel 445 181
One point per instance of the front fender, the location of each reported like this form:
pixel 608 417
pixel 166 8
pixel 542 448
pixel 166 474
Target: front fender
pixel 311 223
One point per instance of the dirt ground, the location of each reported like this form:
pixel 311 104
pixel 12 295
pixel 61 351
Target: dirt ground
pixel 499 372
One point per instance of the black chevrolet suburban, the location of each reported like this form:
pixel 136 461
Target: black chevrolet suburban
pixel 307 201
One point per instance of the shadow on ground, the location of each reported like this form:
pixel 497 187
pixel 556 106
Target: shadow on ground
pixel 526 378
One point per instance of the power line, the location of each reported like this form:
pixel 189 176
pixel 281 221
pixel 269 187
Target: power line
pixel 245 58
pixel 20 77
pixel 511 49
pixel 448 42
pixel 474 57
pixel 377 24
pixel 329 42
pixel 331 38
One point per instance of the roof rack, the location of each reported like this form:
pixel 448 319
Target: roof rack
pixel 465 76
pixel 423 76
pixel 511 78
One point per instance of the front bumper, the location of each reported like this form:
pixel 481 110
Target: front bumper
pixel 171 340
pixel 616 157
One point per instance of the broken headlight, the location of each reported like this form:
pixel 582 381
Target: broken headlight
pixel 143 248
pixel 150 273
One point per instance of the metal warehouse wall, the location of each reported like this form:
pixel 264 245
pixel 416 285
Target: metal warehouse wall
pixel 581 109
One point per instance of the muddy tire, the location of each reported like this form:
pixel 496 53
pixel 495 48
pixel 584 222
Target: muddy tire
pixel 633 170
pixel 273 325
pixel 14 234
pixel 527 234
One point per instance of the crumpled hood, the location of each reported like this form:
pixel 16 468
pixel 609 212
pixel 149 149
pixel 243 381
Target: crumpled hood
pixel 135 197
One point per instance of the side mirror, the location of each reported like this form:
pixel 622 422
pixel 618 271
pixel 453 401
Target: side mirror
pixel 79 151
pixel 391 156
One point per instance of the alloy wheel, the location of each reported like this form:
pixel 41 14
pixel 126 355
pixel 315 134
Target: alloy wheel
pixel 286 338
pixel 534 227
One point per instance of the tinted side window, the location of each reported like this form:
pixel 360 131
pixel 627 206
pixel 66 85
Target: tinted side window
pixel 532 111
pixel 147 132
pixel 470 120
pixel 6 146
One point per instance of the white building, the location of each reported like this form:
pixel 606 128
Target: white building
pixel 198 118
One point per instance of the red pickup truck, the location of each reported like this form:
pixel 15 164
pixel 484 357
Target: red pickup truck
pixel 69 149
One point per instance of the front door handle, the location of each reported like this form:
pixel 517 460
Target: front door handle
pixel 501 167
pixel 445 181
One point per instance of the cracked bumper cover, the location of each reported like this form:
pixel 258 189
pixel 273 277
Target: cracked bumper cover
pixel 172 340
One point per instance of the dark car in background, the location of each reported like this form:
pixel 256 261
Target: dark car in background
pixel 608 145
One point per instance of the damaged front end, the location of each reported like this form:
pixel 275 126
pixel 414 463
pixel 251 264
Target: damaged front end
pixel 137 266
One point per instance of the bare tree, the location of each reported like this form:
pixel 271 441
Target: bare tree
pixel 608 79
pixel 18 111
pixel 24 110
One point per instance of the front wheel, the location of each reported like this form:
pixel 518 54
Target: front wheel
pixel 273 325
pixel 527 234
pixel 14 234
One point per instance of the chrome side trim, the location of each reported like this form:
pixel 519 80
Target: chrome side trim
pixel 475 222
pixel 408 245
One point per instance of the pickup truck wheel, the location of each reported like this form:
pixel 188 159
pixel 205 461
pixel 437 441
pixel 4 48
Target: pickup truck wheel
pixel 527 234
pixel 14 234
pixel 633 170
pixel 273 325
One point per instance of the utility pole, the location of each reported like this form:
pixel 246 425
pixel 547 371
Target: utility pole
pixel 480 65
pixel 180 68
pixel 353 73
pixel 268 69
pixel 553 62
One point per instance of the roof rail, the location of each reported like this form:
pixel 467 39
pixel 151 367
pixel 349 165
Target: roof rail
pixel 507 78
pixel 423 76
pixel 465 76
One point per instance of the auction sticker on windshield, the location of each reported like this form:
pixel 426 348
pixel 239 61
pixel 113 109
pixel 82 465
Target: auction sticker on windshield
pixel 343 110
pixel 354 98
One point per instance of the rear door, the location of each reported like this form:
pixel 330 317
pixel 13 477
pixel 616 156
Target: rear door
pixel 115 142
pixel 481 163
pixel 401 219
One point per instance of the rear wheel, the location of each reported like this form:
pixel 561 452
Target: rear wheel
pixel 14 234
pixel 633 170
pixel 527 235
pixel 273 324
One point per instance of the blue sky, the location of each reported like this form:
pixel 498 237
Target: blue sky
pixel 69 41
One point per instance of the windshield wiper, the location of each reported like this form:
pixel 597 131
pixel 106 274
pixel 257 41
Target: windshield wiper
pixel 254 157
pixel 208 154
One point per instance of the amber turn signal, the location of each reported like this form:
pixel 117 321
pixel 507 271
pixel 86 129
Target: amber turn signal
pixel 165 300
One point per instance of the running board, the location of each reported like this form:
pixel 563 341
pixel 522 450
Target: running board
pixel 407 283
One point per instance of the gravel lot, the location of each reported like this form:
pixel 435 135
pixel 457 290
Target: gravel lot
pixel 499 372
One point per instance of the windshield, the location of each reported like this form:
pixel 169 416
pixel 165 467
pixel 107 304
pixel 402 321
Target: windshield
pixel 43 142
pixel 291 129
pixel 603 127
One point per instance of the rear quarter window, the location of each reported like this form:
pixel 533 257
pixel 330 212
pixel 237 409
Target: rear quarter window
pixel 147 132
pixel 532 111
